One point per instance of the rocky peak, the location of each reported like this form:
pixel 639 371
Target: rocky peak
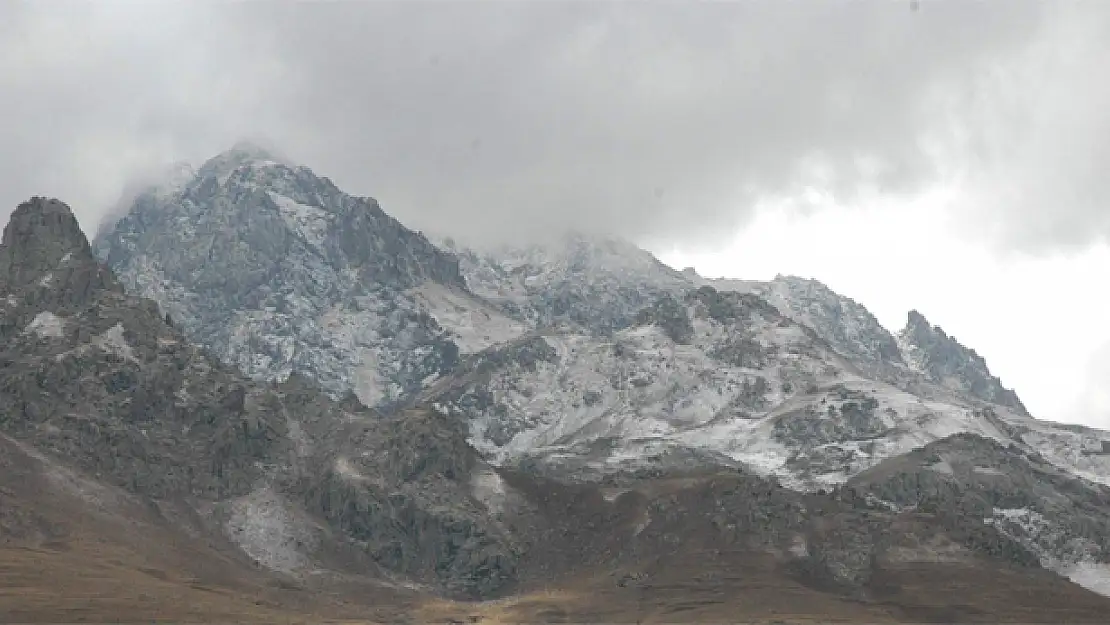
pixel 45 252
pixel 278 270
pixel 944 360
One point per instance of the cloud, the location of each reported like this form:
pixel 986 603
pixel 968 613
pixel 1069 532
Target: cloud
pixel 1093 405
pixel 510 120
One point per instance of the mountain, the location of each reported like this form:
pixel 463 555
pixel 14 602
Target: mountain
pixel 143 479
pixel 844 323
pixel 277 271
pixel 577 362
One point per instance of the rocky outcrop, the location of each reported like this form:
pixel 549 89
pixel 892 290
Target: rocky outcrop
pixel 945 361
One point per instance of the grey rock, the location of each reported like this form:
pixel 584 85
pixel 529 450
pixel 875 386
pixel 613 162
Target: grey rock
pixel 945 361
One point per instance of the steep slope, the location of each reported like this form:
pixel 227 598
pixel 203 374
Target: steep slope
pixel 276 270
pixel 945 361
pixel 594 283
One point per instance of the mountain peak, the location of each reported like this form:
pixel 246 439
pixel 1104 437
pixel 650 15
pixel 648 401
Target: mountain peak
pixel 241 153
pixel 43 247
pixel 945 360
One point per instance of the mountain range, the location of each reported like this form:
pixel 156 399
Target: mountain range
pixel 320 413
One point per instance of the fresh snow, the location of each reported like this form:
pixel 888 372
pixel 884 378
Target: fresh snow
pixel 114 342
pixel 659 396
pixel 473 323
pixel 47 325
pixel 311 222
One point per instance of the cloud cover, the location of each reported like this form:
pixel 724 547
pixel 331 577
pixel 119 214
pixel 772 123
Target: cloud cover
pixel 661 121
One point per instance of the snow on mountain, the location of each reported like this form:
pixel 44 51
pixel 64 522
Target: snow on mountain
pixel 597 283
pixel 276 270
pixel 722 376
pixel 583 355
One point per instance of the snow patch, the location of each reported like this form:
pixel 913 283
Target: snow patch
pixel 114 342
pixel 1092 576
pixel 47 325
pixel 488 488
pixel 473 323
pixel 311 222
pixel 345 469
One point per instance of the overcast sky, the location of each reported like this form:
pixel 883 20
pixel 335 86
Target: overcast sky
pixel 945 156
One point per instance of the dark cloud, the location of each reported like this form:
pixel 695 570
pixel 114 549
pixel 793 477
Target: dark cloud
pixel 510 120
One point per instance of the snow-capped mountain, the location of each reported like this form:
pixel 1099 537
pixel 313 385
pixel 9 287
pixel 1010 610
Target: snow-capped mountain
pixel 276 270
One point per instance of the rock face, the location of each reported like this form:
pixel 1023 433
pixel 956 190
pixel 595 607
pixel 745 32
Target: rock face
pixel 945 361
pixel 276 271
pixel 46 255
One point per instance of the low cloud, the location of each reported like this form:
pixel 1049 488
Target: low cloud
pixel 506 121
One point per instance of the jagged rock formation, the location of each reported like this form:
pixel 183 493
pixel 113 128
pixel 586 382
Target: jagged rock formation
pixel 945 361
pixel 276 270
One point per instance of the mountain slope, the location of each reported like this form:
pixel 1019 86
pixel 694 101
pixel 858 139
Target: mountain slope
pixel 277 271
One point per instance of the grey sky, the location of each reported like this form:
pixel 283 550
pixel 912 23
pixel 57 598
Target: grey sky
pixel 667 122
pixel 656 120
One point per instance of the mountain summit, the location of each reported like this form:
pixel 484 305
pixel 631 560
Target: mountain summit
pixel 279 271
